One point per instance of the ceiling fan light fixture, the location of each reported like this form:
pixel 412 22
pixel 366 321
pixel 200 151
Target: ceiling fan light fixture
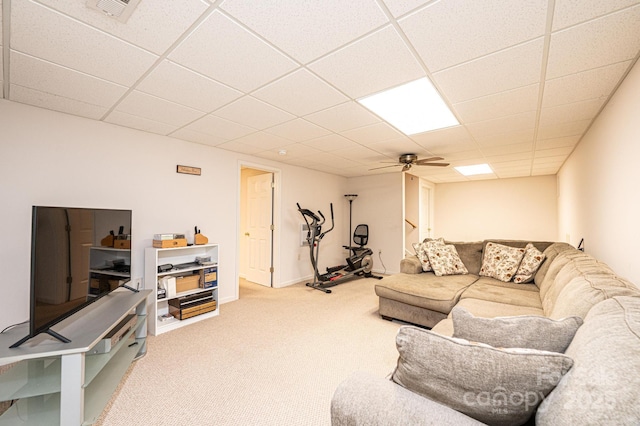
pixel 476 169
pixel 412 108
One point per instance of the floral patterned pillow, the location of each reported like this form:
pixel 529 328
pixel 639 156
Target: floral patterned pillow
pixel 421 253
pixel 531 261
pixel 444 259
pixel 501 262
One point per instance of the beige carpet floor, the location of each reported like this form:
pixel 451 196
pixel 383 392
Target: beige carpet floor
pixel 274 357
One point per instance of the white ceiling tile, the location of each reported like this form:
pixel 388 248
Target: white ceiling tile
pixel 372 134
pixel 346 116
pixel 563 129
pixel 524 163
pixel 263 141
pixel 331 142
pixel 240 147
pixel 440 136
pixel 351 69
pixel 462 155
pixel 50 78
pixel 505 70
pixel 506 138
pixel 568 141
pixel 173 17
pixel 219 127
pixel 40 99
pixel 508 158
pixel 562 151
pixel 307 30
pixel 298 130
pixel 551 161
pixel 396 147
pixel 297 150
pixel 177 84
pixel 591 84
pixel 400 7
pixel 583 110
pixel 140 123
pixel 224 51
pixel 570 12
pixel 363 155
pixel 197 137
pixel 300 93
pixel 613 38
pixel 157 109
pixel 445 147
pixel 508 149
pixel 61 40
pixel 512 123
pixel 254 113
pixel 499 105
pixel 479 27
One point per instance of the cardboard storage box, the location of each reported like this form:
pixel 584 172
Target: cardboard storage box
pixel 188 282
pixel 192 311
pixel 179 242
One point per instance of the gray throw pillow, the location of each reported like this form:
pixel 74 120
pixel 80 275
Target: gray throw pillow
pixel 494 386
pixel 526 331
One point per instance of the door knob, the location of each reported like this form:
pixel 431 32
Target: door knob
pixel 246 234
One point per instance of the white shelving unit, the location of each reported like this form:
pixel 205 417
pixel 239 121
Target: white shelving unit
pixel 61 383
pixel 155 257
pixel 101 261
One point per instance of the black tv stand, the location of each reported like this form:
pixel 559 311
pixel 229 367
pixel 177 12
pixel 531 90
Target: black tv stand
pixel 49 331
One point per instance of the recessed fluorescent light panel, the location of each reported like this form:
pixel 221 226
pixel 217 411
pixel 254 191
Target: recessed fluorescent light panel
pixel 412 108
pixel 476 169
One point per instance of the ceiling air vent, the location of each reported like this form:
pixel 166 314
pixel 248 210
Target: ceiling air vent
pixel 117 9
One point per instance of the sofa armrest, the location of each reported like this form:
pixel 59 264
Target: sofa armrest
pixel 363 399
pixel 411 265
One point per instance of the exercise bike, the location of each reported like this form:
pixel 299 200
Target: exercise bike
pixel 359 264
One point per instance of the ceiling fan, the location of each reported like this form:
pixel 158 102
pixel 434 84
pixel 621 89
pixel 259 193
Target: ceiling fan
pixel 409 160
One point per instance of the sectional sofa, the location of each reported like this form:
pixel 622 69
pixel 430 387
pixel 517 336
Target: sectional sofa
pixel 440 376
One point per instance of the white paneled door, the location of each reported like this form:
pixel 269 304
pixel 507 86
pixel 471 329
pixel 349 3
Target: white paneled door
pixel 259 233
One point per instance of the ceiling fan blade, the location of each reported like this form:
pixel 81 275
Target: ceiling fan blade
pixel 385 167
pixel 434 164
pixel 426 160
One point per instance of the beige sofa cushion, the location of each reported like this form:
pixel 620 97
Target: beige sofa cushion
pixel 494 386
pixel 582 283
pixel 525 331
pixel 488 309
pixel 550 253
pixel 503 292
pixel 603 388
pixel 425 290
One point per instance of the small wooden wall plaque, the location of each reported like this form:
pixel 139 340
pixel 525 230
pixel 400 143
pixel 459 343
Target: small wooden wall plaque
pixel 189 170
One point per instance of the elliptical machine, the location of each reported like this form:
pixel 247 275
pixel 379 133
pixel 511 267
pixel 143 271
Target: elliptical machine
pixel 359 264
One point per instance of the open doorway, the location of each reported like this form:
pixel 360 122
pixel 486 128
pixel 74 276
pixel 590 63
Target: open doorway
pixel 418 211
pixel 256 230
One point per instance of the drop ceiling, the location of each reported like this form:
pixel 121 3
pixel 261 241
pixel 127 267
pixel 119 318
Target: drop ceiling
pixel 524 78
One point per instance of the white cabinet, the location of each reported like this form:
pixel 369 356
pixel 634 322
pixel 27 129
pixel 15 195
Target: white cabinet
pixel 61 383
pixel 196 285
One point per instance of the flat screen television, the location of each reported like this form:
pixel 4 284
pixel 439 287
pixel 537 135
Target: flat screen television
pixel 78 255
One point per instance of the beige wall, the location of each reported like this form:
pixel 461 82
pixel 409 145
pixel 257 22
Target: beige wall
pixel 379 204
pixel 50 158
pixel 598 184
pixel 518 208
